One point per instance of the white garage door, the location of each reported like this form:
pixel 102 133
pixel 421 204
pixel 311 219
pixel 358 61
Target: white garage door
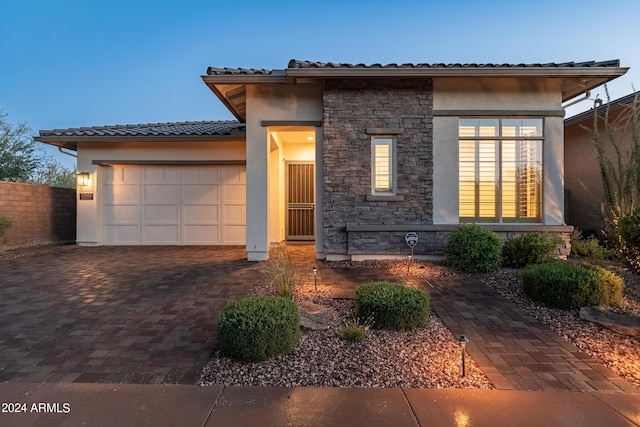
pixel 174 205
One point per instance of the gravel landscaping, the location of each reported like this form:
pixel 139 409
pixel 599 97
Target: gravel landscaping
pixel 428 357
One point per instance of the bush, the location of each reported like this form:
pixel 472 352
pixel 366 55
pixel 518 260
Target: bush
pixel 629 239
pixel 353 333
pixel 590 248
pixel 567 285
pixel 392 306
pixel 472 249
pixel 258 328
pixel 528 249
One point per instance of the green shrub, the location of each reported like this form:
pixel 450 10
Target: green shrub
pixel 567 285
pixel 629 239
pixel 528 249
pixel 591 249
pixel 353 333
pixel 278 268
pixel 258 328
pixel 392 306
pixel 5 224
pixel 472 249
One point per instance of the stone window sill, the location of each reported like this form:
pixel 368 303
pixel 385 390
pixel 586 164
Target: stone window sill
pixel 376 198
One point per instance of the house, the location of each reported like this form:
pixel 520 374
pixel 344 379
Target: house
pixel 584 192
pixel 349 156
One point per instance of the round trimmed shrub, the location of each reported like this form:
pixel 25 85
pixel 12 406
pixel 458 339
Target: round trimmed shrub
pixel 528 249
pixel 472 249
pixel 567 285
pixel 390 305
pixel 257 328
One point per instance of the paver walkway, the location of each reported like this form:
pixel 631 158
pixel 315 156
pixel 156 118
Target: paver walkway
pixel 514 350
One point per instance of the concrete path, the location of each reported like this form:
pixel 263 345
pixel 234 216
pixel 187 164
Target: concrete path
pixel 180 405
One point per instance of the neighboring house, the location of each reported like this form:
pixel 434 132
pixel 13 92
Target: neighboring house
pixel 352 157
pixel 584 192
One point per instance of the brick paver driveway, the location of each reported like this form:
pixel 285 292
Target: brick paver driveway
pixel 116 314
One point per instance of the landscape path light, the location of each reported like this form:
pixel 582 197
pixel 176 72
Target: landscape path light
pixel 315 276
pixel 463 340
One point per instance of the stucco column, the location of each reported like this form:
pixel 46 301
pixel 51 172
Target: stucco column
pixel 257 191
pixel 553 173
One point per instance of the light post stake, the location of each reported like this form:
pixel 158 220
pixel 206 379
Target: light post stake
pixel 463 340
pixel 315 276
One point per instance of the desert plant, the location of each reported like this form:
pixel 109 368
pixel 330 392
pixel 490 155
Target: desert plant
pixel 279 270
pixel 629 239
pixel 568 285
pixel 392 306
pixel 591 249
pixel 353 333
pixel 472 249
pixel 258 328
pixel 5 224
pixel 528 249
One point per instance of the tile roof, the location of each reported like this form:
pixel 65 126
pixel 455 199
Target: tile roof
pixel 295 63
pixel 202 128
pixel 215 71
pixel 588 114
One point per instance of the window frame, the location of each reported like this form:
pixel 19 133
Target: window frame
pixel 393 188
pixel 499 139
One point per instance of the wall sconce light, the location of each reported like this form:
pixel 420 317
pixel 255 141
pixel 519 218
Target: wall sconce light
pixel 315 276
pixel 84 179
pixel 463 340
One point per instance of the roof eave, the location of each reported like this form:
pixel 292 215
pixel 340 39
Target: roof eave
pixel 327 73
pixel 71 142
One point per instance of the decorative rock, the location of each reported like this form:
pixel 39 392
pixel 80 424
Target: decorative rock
pixel 316 317
pixel 623 323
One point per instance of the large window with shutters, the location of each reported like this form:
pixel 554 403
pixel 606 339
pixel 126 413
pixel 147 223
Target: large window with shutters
pixel 500 170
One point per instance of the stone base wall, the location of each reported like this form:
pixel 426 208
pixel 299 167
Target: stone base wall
pixel 351 107
pixel 434 241
pixel 40 214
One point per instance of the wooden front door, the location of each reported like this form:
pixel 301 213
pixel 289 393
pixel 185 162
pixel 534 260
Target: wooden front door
pixel 301 201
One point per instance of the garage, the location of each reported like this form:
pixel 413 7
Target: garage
pixel 173 204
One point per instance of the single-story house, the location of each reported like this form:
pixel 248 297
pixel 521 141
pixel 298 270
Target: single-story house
pixel 584 193
pixel 349 156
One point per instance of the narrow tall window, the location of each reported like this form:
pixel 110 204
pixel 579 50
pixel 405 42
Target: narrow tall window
pixel 500 171
pixel 383 165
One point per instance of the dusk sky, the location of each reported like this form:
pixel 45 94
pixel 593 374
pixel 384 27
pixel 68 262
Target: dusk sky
pixel 86 63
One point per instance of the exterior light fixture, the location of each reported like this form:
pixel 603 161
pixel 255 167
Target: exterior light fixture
pixel 315 276
pixel 84 179
pixel 463 340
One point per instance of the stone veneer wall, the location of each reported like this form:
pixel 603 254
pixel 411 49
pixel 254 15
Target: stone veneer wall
pixel 350 107
pixel 40 214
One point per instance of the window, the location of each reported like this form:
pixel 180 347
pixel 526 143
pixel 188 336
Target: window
pixel 500 170
pixel 383 179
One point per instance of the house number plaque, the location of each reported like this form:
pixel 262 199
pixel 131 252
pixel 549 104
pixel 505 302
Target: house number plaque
pixel 86 196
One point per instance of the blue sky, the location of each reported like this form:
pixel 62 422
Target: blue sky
pixel 83 63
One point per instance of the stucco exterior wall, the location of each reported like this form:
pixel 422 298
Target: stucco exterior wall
pixel 276 102
pixel 89 214
pixel 350 108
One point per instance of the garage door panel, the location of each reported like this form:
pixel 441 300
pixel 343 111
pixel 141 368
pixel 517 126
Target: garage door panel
pixel 233 175
pixel 116 194
pixel 121 234
pixel 201 234
pixel 121 214
pixel 121 175
pixel 234 234
pixel 160 235
pixel 161 175
pixel 234 214
pixel 192 194
pixel 161 213
pixel 235 194
pixel 201 214
pixel 200 175
pixel 161 194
